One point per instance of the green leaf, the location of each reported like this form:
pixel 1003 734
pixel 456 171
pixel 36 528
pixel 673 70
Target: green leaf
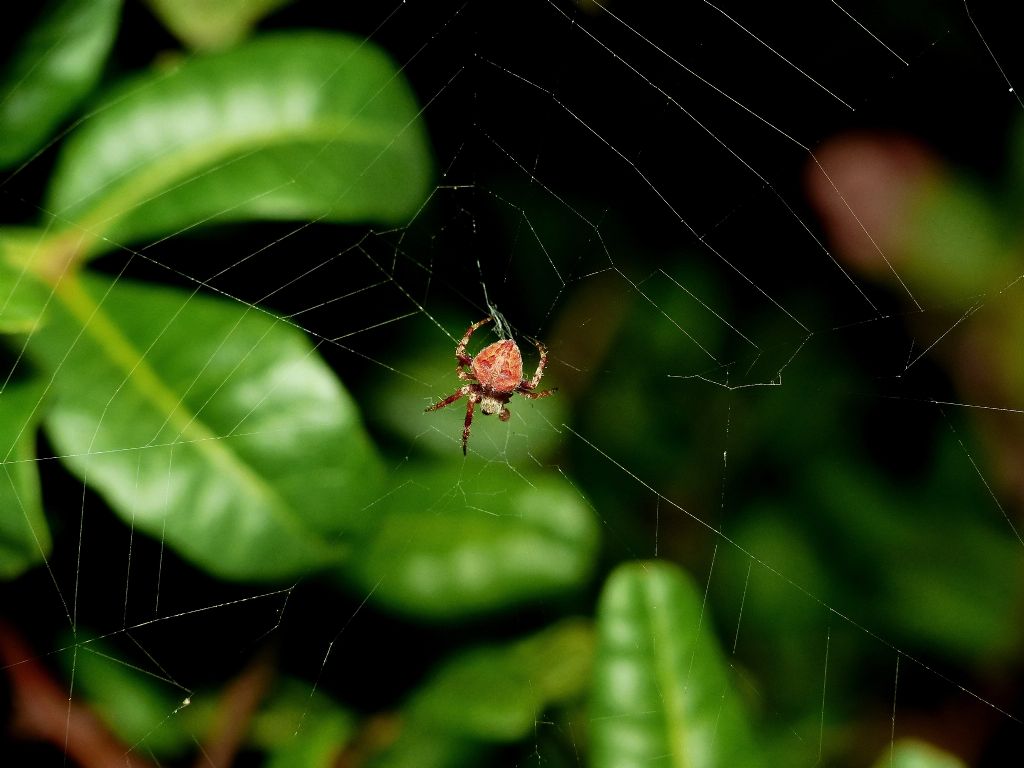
pixel 212 24
pixel 289 126
pixel 462 537
pixel 661 689
pixel 24 535
pixel 23 297
pixel 957 245
pixel 488 695
pixel 206 422
pixel 910 753
pixel 418 746
pixel 55 66
pixel 898 562
pixel 498 693
pixel 141 707
pixel 299 726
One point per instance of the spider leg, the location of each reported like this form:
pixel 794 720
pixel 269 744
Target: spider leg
pixel 460 392
pixel 535 395
pixel 532 383
pixel 473 398
pixel 460 350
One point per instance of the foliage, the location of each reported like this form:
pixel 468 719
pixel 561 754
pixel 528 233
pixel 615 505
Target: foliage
pixel 661 689
pixel 220 430
pixel 24 536
pixel 212 24
pixel 53 69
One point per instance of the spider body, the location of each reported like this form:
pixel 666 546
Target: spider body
pixel 493 376
pixel 498 369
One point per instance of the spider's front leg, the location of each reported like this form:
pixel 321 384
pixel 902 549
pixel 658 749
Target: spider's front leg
pixel 460 350
pixel 460 392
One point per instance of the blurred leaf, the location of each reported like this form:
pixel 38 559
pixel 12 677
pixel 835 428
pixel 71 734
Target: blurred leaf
pixel 57 63
pixel 956 245
pixel 498 693
pixel 24 535
pixel 490 694
pixel 290 126
pixel 1000 339
pixel 783 620
pixel 418 746
pixel 141 707
pixel 896 550
pixel 917 754
pixel 21 300
pixel 212 24
pixel 1013 162
pixel 661 689
pixel 298 726
pixel 206 422
pixel 883 551
pixel 453 540
pixel 22 297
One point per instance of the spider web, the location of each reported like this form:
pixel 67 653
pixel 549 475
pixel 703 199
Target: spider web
pixel 693 209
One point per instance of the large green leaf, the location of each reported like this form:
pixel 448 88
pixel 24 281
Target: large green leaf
pixel 458 538
pixel 55 65
pixel 207 422
pixel 24 536
pixel 290 126
pixel 661 689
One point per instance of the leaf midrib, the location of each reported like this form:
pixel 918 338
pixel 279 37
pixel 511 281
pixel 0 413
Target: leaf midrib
pixel 669 677
pixel 123 354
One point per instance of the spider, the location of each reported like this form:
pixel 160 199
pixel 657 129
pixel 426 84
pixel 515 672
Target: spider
pixel 494 375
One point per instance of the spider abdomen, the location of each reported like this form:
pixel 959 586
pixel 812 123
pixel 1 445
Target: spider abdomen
pixel 499 366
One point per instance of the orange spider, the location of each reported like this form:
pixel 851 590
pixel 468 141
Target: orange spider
pixel 494 375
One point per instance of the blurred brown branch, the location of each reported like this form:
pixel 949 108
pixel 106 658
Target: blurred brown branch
pixel 43 710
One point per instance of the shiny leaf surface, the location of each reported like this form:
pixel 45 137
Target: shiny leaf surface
pixel 453 540
pixel 289 126
pixel 210 423
pixel 661 689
